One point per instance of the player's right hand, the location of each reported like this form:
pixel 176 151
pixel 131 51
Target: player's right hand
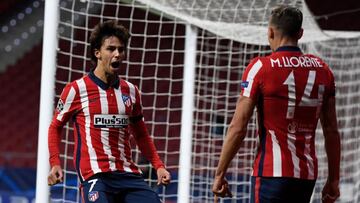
pixel 55 176
pixel 220 188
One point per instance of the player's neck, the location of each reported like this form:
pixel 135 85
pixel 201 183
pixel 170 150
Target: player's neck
pixel 285 42
pixel 104 76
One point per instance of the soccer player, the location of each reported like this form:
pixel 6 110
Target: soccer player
pixel 291 91
pixel 106 110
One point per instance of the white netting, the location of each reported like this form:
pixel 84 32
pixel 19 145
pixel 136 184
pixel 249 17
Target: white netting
pixel 230 34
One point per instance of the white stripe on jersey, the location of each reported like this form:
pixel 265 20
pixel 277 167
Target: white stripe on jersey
pixel 104 133
pixel 277 166
pixel 296 162
pixel 310 161
pixel 85 105
pixel 67 104
pixel 250 77
pixel 132 92
pixel 305 99
pixel 121 109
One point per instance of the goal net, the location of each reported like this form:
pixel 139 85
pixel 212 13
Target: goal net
pixel 229 34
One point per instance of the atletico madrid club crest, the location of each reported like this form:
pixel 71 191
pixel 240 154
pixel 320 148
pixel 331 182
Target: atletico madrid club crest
pixel 126 100
pixel 93 196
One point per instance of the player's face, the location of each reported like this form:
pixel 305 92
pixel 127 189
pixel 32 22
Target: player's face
pixel 111 54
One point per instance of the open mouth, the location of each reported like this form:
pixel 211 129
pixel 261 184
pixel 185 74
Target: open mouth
pixel 115 64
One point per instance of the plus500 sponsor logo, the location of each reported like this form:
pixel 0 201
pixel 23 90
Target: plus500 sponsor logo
pixel 111 121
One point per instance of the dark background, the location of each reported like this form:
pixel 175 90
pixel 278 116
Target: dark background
pixel 336 14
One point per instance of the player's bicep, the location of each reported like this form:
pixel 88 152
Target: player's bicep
pixel 244 110
pixel 67 104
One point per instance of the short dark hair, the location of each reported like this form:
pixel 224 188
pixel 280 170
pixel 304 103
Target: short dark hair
pixel 287 19
pixel 104 30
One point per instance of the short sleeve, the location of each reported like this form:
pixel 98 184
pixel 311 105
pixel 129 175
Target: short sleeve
pixel 251 79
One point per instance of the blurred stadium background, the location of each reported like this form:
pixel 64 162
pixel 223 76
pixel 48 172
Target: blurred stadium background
pixel 21 37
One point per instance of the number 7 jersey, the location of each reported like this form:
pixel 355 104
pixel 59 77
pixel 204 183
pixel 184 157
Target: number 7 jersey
pixel 289 89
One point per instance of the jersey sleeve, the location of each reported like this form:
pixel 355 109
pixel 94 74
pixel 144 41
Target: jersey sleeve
pixel 63 112
pixel 252 79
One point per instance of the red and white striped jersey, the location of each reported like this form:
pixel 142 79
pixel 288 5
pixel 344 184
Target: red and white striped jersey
pixel 289 89
pixel 103 116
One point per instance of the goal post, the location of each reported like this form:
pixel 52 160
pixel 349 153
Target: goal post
pixel 187 117
pixel 187 58
pixel 46 98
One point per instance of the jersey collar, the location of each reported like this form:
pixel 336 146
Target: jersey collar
pixel 288 48
pixel 102 84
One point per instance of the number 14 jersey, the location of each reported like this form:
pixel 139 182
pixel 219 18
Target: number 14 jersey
pixel 289 89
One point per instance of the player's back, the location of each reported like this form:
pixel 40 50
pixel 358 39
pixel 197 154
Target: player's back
pixel 290 88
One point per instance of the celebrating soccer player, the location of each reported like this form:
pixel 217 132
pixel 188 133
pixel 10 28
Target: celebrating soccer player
pixel 106 110
pixel 291 91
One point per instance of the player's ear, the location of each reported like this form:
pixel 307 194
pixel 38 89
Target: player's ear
pixel 97 54
pixel 271 33
pixel 300 33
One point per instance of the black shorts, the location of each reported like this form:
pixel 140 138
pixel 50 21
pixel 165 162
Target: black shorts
pixel 281 190
pixel 115 187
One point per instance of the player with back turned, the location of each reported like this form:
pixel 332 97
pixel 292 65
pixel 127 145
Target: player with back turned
pixel 106 110
pixel 291 91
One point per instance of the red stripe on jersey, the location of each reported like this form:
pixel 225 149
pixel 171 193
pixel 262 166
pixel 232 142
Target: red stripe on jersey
pixel 300 148
pixel 288 168
pixel 313 155
pixel 268 160
pixel 257 189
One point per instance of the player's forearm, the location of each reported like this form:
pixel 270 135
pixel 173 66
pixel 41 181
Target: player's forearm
pixel 54 138
pixel 146 145
pixel 332 138
pixel 230 147
pixel 332 147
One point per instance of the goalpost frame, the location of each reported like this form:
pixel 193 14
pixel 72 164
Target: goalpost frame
pixel 187 115
pixel 47 93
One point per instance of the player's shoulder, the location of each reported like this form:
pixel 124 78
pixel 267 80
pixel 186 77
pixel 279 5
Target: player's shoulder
pixel 127 84
pixel 75 83
pixel 124 82
pixel 257 59
pixel 257 62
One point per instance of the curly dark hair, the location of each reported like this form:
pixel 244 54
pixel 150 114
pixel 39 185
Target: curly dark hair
pixel 104 30
pixel 287 19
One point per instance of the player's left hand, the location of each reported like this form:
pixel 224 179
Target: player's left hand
pixel 330 192
pixel 163 176
pixel 220 188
